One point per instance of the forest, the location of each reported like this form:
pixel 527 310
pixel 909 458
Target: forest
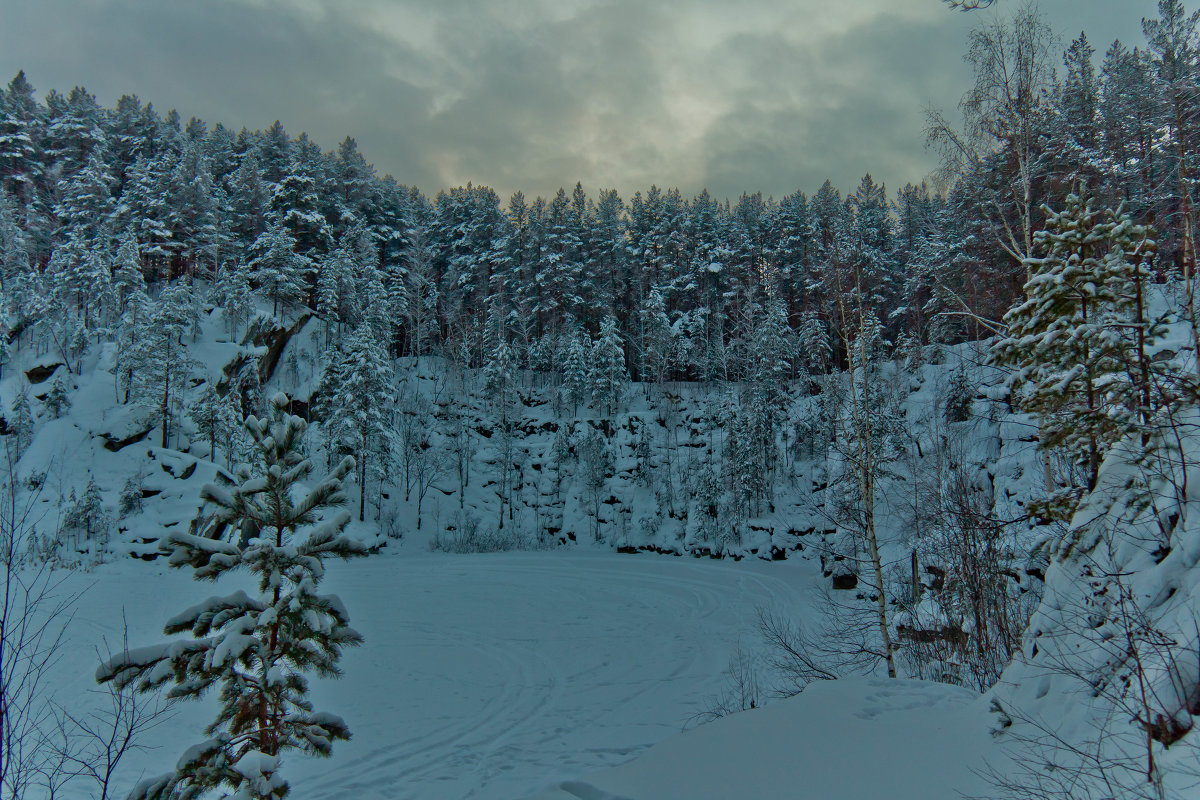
pixel 946 396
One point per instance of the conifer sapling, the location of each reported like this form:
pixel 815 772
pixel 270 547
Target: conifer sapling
pixel 258 649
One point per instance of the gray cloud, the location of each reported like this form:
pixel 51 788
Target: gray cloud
pixel 769 95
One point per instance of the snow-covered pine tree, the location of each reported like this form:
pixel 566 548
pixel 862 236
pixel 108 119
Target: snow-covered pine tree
pixel 58 400
pixel 129 501
pixel 127 278
pixel 277 266
pixel 362 404
pixel 236 297
pixel 216 420
pixel 14 244
pixel 960 396
pixel 258 649
pixel 499 378
pixel 159 366
pixel 87 515
pixel 334 273
pixel 21 421
pixel 575 367
pixel 128 336
pixel 657 339
pixel 609 379
pixel 813 343
pixel 1064 341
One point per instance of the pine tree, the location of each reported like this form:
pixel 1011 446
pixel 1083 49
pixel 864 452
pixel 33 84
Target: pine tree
pixel 216 419
pixel 813 343
pixel 575 368
pixel 499 377
pixel 237 298
pixel 87 514
pixel 158 364
pixel 657 339
pixel 87 202
pixel 127 278
pixel 361 404
pixel 609 379
pixel 14 244
pixel 58 401
pixel 277 267
pixel 960 396
pixel 1063 341
pixel 19 164
pixel 129 500
pixel 257 649
pixel 22 421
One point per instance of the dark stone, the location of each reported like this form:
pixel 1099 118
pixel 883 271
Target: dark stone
pixel 279 337
pixel 113 445
pixel 41 374
pixel 845 581
pixel 184 475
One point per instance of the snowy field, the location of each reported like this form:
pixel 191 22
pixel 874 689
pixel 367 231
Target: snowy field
pixel 492 676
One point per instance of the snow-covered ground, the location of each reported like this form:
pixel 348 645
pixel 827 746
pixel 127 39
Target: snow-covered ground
pixel 850 739
pixel 487 676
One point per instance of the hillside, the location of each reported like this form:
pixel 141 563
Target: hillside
pixel 872 492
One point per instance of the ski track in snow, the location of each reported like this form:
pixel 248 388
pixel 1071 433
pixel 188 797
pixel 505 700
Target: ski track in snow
pixel 493 677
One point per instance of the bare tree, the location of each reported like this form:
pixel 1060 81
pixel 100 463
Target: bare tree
pixel 1014 68
pixel 1143 684
pixel 92 745
pixel 44 745
pixel 429 464
pixel 35 610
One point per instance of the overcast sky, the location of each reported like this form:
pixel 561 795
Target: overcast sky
pixel 753 95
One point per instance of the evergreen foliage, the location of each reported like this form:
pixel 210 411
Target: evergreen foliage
pixel 256 649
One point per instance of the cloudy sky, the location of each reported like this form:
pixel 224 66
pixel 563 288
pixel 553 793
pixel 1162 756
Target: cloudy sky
pixel 753 95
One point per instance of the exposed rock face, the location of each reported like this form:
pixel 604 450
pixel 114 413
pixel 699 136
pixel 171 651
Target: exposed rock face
pixel 42 372
pixel 113 444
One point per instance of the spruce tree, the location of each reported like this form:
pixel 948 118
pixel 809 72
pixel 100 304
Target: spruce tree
pixel 260 648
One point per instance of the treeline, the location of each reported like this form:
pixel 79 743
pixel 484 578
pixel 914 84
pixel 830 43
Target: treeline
pixel 88 191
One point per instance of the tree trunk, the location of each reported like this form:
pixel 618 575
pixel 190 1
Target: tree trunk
pixel 362 484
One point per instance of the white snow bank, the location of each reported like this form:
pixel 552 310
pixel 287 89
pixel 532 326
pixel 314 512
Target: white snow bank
pixel 849 739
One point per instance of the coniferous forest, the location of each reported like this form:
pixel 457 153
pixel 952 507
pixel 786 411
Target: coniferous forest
pixel 961 413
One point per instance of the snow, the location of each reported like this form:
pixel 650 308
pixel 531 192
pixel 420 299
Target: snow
pixel 848 739
pixel 482 676
pixel 507 675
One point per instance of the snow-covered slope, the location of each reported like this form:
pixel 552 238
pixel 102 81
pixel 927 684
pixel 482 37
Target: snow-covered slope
pixel 856 739
pixel 500 676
